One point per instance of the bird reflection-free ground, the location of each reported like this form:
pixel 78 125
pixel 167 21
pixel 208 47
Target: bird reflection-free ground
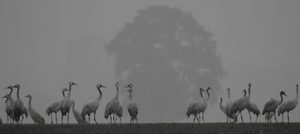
pixel 165 128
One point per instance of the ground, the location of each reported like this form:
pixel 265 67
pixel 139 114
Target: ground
pixel 172 128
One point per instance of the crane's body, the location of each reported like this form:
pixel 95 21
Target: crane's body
pixel 35 116
pixel 92 106
pixel 288 106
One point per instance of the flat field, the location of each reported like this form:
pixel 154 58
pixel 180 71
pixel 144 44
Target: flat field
pixel 160 128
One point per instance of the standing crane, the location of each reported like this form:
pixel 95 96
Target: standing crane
pixel 223 108
pixel 239 105
pixel 19 109
pixel 9 102
pixel 66 103
pixel 251 106
pixel 55 107
pixel 194 107
pixel 113 108
pixel 272 105
pixel 77 115
pixel 288 106
pixel 108 111
pixel 35 116
pixel 228 106
pixel 254 109
pixel 92 106
pixel 203 104
pixel 117 107
pixel 132 107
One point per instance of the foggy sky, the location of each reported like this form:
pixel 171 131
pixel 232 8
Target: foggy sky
pixel 45 44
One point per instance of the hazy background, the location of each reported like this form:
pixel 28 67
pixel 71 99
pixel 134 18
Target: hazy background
pixel 45 44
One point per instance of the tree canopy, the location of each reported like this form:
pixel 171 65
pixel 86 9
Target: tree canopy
pixel 168 56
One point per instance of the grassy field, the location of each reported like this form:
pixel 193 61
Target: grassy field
pixel 176 128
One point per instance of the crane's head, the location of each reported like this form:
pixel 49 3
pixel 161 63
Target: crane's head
pixel 249 85
pixel 129 86
pixel 28 96
pixel 10 87
pixel 208 88
pixel 6 96
pixel 100 86
pixel 17 86
pixel 201 90
pixel 283 93
pixel 64 90
pixel 245 92
pixel 117 84
pixel 71 83
pixel 221 99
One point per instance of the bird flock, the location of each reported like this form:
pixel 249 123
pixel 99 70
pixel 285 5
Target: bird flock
pixel 233 109
pixel 16 111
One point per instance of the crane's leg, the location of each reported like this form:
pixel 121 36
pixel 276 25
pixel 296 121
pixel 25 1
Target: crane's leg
pixel 256 118
pixel 198 118
pixel 22 119
pixel 203 117
pixel 227 119
pixel 95 118
pixel 62 119
pixel 7 119
pixel 56 118
pixel 110 119
pixel 288 115
pixel 194 119
pixel 113 116
pixel 241 116
pixel 68 117
pixel 51 119
pixel 249 116
pixel 89 118
pixel 275 117
pixel 282 118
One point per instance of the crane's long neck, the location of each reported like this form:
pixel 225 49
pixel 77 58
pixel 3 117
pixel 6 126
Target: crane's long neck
pixel 281 99
pixel 130 95
pixel 6 100
pixel 297 93
pixel 29 101
pixel 228 91
pixel 70 89
pixel 118 93
pixel 100 95
pixel 63 93
pixel 201 94
pixel 11 90
pixel 208 95
pixel 221 106
pixel 18 93
pixel 245 93
pixel 249 92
